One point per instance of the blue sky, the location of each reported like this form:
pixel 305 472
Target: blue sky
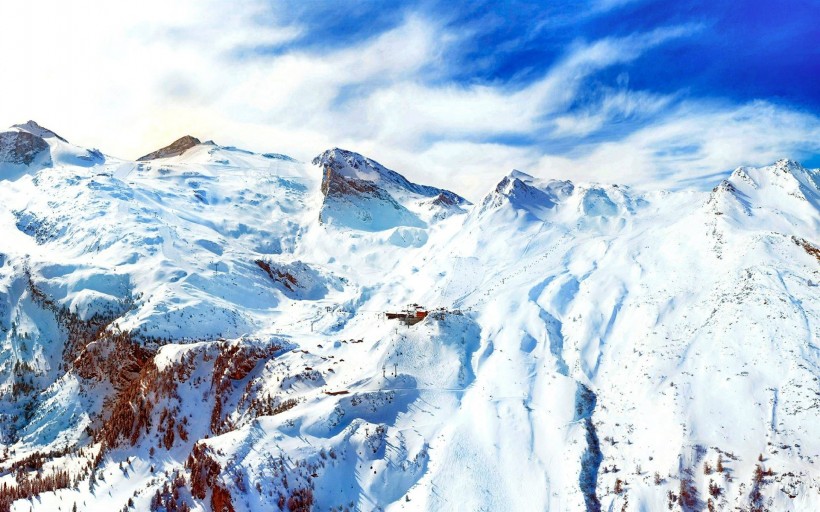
pixel 631 91
pixel 741 50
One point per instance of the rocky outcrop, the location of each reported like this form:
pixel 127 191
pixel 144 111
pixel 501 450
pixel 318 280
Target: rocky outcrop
pixel 361 193
pixel 176 148
pixel 340 163
pixel 19 147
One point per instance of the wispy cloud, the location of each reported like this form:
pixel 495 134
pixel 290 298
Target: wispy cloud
pixel 692 140
pixel 131 77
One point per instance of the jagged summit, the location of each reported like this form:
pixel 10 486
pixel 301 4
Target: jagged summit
pixel 22 147
pixel 35 129
pixel 361 193
pixel 176 148
pixel 766 184
pixel 29 147
pixel 341 163
pixel 354 165
pixel 518 187
pixel 521 175
pixel 524 191
pixel 589 205
pixel 808 178
pixel 767 196
pixel 782 171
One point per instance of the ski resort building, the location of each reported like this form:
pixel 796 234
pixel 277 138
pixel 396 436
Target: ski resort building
pixel 412 315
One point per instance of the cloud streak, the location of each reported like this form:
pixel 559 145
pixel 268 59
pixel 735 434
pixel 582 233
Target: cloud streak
pixel 243 75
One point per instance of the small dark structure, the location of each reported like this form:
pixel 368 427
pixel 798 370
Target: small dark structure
pixel 412 315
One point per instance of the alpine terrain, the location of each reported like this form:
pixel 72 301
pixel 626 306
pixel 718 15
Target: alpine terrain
pixel 212 329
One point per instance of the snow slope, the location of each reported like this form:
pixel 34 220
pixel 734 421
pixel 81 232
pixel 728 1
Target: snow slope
pixel 204 329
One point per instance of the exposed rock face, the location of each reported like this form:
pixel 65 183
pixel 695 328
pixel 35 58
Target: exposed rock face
pixel 336 184
pixel 338 163
pixel 20 147
pixel 177 147
pixel 445 199
pixel 363 194
pixel 361 204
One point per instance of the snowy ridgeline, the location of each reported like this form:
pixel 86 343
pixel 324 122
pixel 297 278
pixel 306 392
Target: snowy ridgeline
pixel 205 329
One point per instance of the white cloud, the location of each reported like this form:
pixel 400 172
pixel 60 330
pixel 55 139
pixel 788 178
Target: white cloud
pixel 612 106
pixel 693 140
pixel 103 72
pixel 131 76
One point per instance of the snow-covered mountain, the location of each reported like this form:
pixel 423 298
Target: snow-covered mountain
pixel 205 329
pixel 362 194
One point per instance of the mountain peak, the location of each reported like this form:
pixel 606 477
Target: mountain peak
pixel 520 189
pixel 21 146
pixel 355 167
pixel 521 175
pixel 806 176
pixel 34 128
pixel 363 194
pixel 176 148
pixel 787 163
pixel 527 193
pixel 352 165
pixel 785 174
